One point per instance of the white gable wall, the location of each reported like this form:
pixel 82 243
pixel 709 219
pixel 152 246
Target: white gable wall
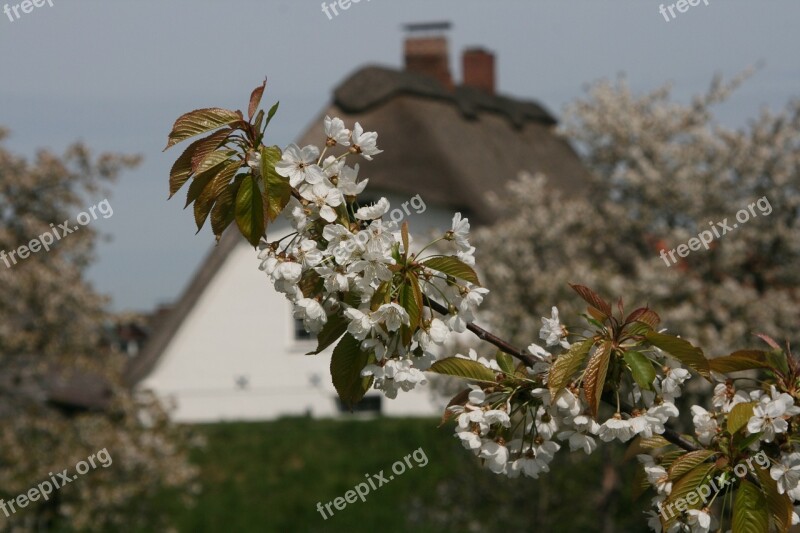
pixel 242 329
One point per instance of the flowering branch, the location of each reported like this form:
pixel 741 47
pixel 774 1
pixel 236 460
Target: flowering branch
pixel 669 434
pixel 355 281
pixel 484 335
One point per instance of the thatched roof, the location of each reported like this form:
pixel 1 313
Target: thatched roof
pixel 449 147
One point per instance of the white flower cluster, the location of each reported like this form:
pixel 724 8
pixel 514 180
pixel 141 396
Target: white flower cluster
pixel 770 418
pixel 346 253
pixel 483 426
pixel 484 421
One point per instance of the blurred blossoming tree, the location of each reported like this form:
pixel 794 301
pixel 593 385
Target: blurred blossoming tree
pixel 662 172
pixel 61 396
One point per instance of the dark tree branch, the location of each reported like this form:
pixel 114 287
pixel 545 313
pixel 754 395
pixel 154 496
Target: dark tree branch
pixel 484 335
pixel 669 434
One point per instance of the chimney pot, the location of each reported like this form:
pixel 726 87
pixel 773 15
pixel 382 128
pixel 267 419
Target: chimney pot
pixel 429 56
pixel 478 68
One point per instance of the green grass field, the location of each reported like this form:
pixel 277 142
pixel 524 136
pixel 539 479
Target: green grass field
pixel 269 477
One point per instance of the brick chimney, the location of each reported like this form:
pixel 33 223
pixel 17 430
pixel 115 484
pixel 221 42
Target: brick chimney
pixel 429 54
pixel 478 70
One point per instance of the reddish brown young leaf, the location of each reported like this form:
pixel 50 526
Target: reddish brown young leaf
pixel 596 314
pixel 645 316
pixel 200 121
pixel 459 399
pixel 769 340
pixel 207 145
pixel 182 168
pixel 255 99
pixel 594 378
pixel 566 365
pixel 592 298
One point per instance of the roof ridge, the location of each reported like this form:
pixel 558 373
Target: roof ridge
pixel 374 85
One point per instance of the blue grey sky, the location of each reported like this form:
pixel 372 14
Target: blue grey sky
pixel 117 74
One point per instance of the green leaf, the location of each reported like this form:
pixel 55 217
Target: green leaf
pixel 741 442
pixel 222 214
pixel 670 457
pixel 505 362
pixel 750 510
pixel 642 369
pixel 272 111
pixel 200 121
pixel 653 443
pixel 404 237
pixel 777 359
pixel 381 295
pixel 687 462
pixel 407 299
pixel 566 365
pixel 201 181
pixel 452 266
pixel 277 190
pixel 249 210
pixel 463 368
pixel 689 483
pixel 334 328
pixel 347 362
pixel 780 505
pixel 681 350
pixel 594 377
pixel 257 123
pixel 592 299
pixel 739 360
pixel 739 416
pixel 218 186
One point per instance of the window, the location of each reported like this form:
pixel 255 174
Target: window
pixel 368 404
pixel 300 333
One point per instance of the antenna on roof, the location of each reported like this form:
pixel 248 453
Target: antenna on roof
pixel 428 27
